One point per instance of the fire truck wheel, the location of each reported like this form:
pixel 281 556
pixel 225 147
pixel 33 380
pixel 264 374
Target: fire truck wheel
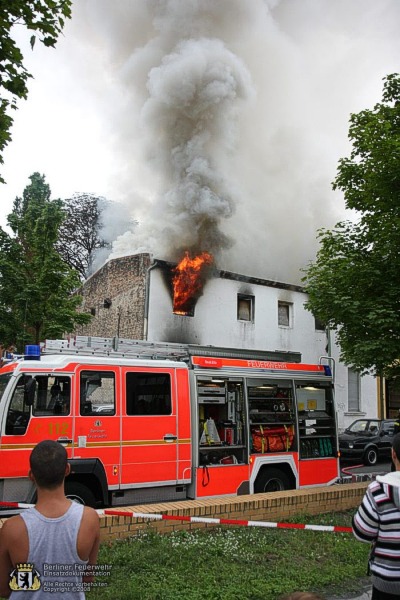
pixel 77 492
pixel 371 456
pixel 271 480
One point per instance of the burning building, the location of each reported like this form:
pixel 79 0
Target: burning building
pixel 194 302
pixel 220 172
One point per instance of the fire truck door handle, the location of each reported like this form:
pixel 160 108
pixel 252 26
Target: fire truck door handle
pixel 64 440
pixel 170 437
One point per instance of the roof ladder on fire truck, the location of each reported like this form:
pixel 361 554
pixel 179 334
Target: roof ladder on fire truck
pixel 117 347
pixel 129 348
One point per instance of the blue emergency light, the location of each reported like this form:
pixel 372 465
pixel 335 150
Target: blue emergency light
pixel 32 353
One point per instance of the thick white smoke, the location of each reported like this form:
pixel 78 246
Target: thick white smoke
pixel 227 118
pixel 194 91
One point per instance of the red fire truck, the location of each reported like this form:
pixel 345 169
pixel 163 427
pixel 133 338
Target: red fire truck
pixel 148 422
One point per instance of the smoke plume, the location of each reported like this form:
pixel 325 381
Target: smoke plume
pixel 225 119
pixel 195 89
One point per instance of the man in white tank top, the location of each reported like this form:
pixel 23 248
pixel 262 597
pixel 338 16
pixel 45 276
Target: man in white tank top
pixel 48 550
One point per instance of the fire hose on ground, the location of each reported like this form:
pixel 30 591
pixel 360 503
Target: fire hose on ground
pixel 239 522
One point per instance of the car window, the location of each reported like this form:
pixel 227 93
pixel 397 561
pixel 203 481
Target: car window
pixel 358 426
pixel 388 428
pixel 374 426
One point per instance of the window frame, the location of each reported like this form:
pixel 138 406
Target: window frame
pixel 250 298
pixel 353 403
pixel 289 306
pixel 132 400
pixel 102 374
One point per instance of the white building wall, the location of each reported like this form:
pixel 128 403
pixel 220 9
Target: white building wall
pixel 215 323
pixel 368 400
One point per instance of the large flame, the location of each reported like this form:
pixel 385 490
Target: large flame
pixel 188 280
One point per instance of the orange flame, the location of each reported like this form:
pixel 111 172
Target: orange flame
pixel 188 280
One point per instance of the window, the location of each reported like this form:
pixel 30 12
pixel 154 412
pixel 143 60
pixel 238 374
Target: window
pixel 353 382
pixel 245 308
pixel 19 411
pixel 319 325
pixel 53 396
pixel 4 379
pixel 48 395
pixel 284 314
pixel 97 395
pixel 148 394
pixel 388 428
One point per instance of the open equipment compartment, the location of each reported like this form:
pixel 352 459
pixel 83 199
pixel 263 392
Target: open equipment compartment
pixel 271 415
pixel 317 425
pixel 222 420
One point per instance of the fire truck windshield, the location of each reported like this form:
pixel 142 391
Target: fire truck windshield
pixel 4 379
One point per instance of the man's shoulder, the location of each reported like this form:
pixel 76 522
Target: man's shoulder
pixel 90 512
pixel 90 516
pixel 13 528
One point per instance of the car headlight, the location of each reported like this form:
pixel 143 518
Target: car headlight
pixel 351 445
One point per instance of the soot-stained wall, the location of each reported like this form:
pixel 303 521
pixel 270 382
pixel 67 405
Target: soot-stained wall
pixel 116 297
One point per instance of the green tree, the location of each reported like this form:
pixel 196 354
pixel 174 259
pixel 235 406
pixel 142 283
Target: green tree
pixel 354 284
pixel 37 288
pixel 79 234
pixel 90 226
pixel 45 18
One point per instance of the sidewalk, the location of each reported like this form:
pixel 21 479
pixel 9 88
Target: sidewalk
pixel 364 595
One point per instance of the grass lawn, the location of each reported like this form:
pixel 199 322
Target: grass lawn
pixel 233 563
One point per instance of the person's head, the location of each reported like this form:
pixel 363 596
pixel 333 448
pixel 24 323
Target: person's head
pixel 396 448
pixel 55 390
pixel 49 464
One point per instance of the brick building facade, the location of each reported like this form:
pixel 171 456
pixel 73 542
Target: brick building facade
pixel 115 297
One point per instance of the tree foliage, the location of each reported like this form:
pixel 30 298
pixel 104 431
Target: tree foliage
pixel 46 19
pixel 37 288
pixel 79 233
pixel 354 284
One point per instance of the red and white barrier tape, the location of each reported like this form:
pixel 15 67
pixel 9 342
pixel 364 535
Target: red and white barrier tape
pixel 16 505
pixel 158 517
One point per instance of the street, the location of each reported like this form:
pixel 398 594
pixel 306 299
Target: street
pixel 348 468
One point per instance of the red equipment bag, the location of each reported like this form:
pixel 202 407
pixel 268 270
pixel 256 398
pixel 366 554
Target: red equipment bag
pixel 272 439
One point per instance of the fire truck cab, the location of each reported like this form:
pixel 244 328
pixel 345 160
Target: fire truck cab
pixel 147 422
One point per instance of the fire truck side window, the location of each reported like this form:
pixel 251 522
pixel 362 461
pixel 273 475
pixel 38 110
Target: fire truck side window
pixel 19 412
pixel 97 393
pixel 48 395
pixel 4 379
pixel 52 396
pixel 148 394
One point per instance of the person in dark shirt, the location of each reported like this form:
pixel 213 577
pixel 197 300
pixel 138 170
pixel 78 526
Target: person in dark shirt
pixel 396 429
pixel 397 424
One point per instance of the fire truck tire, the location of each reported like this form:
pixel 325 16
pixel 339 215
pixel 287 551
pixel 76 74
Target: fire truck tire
pixel 76 491
pixel 371 456
pixel 271 480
